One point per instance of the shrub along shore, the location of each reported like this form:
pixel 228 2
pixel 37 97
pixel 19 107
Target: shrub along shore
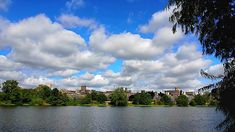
pixel 13 95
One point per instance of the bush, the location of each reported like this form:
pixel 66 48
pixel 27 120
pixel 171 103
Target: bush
pixel 166 100
pixel 200 100
pixel 87 99
pixel 142 98
pixel 182 100
pixel 119 98
pixel 101 98
pixel 192 103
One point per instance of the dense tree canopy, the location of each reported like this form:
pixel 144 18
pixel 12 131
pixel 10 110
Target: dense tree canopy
pixel 142 98
pixel 119 97
pixel 182 100
pixel 166 100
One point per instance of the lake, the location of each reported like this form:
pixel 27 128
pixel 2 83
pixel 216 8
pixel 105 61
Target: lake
pixel 109 119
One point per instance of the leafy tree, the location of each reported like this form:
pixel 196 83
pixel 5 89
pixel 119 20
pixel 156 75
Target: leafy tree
pixel 12 91
pixel 182 100
pixel 101 98
pixel 26 95
pixel 166 100
pixel 44 92
pixel 200 100
pixel 152 94
pixel 94 95
pixel 57 98
pixel 9 86
pixel 87 99
pixel 192 103
pixel 213 22
pixel 119 97
pixel 142 98
pixel 136 99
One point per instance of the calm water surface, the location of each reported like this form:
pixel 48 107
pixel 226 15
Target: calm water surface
pixel 109 119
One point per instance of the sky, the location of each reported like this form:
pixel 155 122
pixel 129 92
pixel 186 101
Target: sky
pixel 101 44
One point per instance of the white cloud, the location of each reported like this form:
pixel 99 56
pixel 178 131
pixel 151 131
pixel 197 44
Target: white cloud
pixel 6 64
pixel 164 38
pixel 4 4
pixel 133 46
pixel 74 4
pixel 159 19
pixel 63 73
pixel 31 82
pixel 9 75
pixel 71 21
pixel 38 42
pixel 168 71
pixel 75 82
pixel 217 69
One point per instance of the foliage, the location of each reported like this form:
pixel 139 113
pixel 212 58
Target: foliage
pixel 44 92
pixel 200 100
pixel 119 98
pixel 151 93
pixel 87 99
pixel 94 95
pixel 182 100
pixel 142 98
pixel 211 20
pixel 166 100
pixel 57 98
pixel 101 98
pixel 192 103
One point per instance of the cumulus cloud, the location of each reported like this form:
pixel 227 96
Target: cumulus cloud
pixel 6 64
pixel 38 42
pixel 31 82
pixel 159 19
pixel 72 21
pixel 75 82
pixel 168 71
pixel 133 46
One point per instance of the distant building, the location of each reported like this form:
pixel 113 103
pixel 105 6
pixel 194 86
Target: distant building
pixel 83 91
pixel 190 93
pixel 174 93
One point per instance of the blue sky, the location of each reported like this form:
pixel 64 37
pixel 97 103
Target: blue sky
pixel 100 44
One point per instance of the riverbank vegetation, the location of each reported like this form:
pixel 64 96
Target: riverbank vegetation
pixel 13 95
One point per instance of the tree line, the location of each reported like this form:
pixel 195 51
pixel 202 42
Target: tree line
pixel 12 94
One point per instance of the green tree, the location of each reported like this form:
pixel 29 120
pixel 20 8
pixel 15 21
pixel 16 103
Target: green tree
pixel 142 98
pixel 200 100
pixel 166 100
pixel 182 100
pixel 94 95
pixel 87 99
pixel 213 22
pixel 119 97
pixel 101 98
pixel 9 86
pixel 44 92
pixel 57 98
pixel 12 91
pixel 192 103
